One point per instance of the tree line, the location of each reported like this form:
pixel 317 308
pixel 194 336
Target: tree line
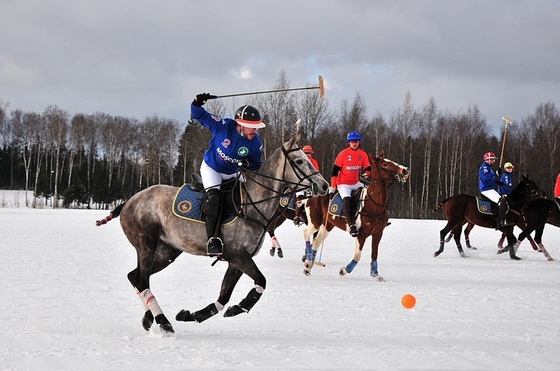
pixel 97 160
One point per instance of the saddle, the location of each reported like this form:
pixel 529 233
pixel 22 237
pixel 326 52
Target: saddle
pixel 485 206
pixel 358 197
pixel 188 200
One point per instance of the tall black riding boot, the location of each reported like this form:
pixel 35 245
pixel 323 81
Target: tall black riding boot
pixel 348 210
pixel 214 246
pixel 502 210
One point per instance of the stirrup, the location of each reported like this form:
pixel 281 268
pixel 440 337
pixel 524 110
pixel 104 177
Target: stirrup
pixel 214 246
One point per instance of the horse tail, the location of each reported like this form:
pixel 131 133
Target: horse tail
pixel 114 214
pixel 440 205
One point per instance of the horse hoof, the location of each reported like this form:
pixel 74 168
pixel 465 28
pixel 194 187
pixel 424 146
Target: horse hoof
pixel 436 254
pixel 280 253
pixel 185 316
pixel 306 272
pixel 515 257
pixel 167 328
pixel 342 271
pixel 378 278
pixel 463 255
pixel 272 251
pixel 147 320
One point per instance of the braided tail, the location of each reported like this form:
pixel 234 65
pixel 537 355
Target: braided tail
pixel 440 205
pixel 114 214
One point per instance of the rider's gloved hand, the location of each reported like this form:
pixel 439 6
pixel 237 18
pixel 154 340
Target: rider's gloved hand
pixel 201 99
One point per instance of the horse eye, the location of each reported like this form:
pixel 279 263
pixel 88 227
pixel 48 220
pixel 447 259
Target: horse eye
pixel 299 161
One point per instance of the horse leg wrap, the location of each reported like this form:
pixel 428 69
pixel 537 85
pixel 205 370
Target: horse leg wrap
pixel 246 304
pixel 309 253
pixel 209 311
pixel 150 302
pixel 350 267
pixel 373 268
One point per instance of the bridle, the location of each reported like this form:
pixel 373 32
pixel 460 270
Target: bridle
pixel 259 179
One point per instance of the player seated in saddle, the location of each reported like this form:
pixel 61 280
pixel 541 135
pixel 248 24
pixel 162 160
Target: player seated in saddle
pixel 301 195
pixel 345 176
pixel 487 186
pixel 233 142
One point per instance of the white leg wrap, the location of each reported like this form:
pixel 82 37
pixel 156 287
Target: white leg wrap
pixel 219 306
pixel 150 302
pixel 259 289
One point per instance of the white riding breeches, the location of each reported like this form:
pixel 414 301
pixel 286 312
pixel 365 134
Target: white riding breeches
pixel 492 195
pixel 345 190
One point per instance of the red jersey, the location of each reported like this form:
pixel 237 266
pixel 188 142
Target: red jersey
pixel 314 163
pixel 350 163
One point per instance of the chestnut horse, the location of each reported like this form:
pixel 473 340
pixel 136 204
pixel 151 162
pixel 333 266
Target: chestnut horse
pixel 371 220
pixel 160 237
pixel 535 215
pixel 462 208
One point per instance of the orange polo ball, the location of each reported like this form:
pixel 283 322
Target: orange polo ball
pixel 408 301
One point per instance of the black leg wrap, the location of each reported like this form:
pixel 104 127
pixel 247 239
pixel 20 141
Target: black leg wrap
pixel 245 305
pixel 199 315
pixel 147 320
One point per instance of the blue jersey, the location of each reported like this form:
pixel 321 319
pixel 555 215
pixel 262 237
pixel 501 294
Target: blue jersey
pixel 507 180
pixel 486 178
pixel 227 148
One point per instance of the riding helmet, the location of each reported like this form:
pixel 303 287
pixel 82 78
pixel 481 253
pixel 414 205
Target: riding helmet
pixel 307 149
pixel 353 135
pixel 508 164
pixel 249 117
pixel 489 156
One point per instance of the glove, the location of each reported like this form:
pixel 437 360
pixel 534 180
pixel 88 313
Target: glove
pixel 500 183
pixel 334 181
pixel 243 164
pixel 332 190
pixel 366 175
pixel 201 98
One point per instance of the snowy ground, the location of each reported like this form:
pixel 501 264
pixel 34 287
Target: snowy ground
pixel 67 304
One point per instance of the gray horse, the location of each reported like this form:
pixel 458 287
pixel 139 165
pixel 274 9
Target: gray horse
pixel 160 237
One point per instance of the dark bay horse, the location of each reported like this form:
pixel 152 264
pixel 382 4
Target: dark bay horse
pixel 535 215
pixel 371 221
pixel 462 208
pixel 160 237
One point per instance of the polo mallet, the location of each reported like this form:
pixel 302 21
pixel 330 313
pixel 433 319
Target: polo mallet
pixel 318 262
pixel 507 121
pixel 321 88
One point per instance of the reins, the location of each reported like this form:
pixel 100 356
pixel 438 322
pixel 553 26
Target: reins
pixel 292 188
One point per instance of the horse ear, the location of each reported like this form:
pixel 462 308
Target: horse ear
pixel 382 154
pixel 524 177
pixel 294 139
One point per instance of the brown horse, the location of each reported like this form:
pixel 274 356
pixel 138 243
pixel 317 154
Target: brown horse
pixel 536 214
pixel 371 221
pixel 160 237
pixel 462 208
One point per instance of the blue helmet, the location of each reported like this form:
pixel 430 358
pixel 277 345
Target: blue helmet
pixel 353 135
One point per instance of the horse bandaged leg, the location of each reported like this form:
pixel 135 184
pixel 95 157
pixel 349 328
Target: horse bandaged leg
pixel 246 304
pixel 154 312
pixel 149 301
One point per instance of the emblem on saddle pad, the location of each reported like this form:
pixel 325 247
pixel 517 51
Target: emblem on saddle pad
pixel 335 205
pixel 484 206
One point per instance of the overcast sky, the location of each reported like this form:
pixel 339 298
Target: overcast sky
pixel 138 58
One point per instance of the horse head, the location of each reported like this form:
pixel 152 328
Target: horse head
pixel 300 174
pixel 385 170
pixel 525 191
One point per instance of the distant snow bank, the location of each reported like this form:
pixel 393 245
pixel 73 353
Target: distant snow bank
pixel 15 199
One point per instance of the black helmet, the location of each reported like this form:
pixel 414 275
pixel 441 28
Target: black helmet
pixel 249 117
